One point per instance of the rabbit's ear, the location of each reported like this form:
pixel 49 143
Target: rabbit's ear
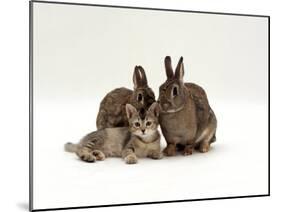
pixel 179 70
pixel 130 110
pixel 168 67
pixel 143 76
pixel 154 109
pixel 139 77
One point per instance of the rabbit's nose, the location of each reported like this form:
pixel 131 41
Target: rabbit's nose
pixel 165 105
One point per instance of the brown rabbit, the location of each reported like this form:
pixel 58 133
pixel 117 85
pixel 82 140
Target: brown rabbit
pixel 112 111
pixel 186 118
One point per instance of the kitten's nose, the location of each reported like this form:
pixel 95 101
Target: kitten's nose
pixel 143 131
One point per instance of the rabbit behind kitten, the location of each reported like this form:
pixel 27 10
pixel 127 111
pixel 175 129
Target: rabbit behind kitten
pixel 186 118
pixel 140 139
pixel 112 112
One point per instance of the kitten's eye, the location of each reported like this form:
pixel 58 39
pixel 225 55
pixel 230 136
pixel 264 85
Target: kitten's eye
pixel 175 91
pixel 148 123
pixel 137 124
pixel 139 97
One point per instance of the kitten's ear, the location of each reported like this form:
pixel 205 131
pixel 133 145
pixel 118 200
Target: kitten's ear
pixel 130 110
pixel 154 109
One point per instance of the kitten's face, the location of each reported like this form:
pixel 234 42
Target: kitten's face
pixel 146 127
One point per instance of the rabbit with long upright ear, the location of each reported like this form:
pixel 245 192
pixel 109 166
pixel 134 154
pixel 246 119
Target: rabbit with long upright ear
pixel 186 118
pixel 112 112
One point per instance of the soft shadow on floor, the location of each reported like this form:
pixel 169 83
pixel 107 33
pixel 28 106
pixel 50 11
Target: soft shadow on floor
pixel 23 206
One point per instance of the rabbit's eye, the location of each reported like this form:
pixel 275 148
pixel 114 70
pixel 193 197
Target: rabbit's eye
pixel 148 123
pixel 137 124
pixel 139 97
pixel 175 91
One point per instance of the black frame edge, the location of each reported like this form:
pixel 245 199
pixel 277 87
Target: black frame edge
pixel 149 203
pixel 30 106
pixel 147 8
pixel 268 23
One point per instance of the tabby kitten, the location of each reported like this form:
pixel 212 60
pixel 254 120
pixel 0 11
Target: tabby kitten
pixel 140 139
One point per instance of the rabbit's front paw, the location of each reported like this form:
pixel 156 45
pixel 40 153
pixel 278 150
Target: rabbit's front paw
pixel 204 147
pixel 188 150
pixel 170 150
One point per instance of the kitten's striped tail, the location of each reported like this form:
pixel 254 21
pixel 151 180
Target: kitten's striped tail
pixel 70 147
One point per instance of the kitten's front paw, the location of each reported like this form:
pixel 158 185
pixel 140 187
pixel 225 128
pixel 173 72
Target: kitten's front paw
pixel 156 155
pixel 99 155
pixel 131 159
pixel 86 156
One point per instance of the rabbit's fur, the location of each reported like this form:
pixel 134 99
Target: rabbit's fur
pixel 186 119
pixel 112 112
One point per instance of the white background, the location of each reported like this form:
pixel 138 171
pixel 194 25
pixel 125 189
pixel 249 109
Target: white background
pixel 15 90
pixel 82 52
pixel 78 58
